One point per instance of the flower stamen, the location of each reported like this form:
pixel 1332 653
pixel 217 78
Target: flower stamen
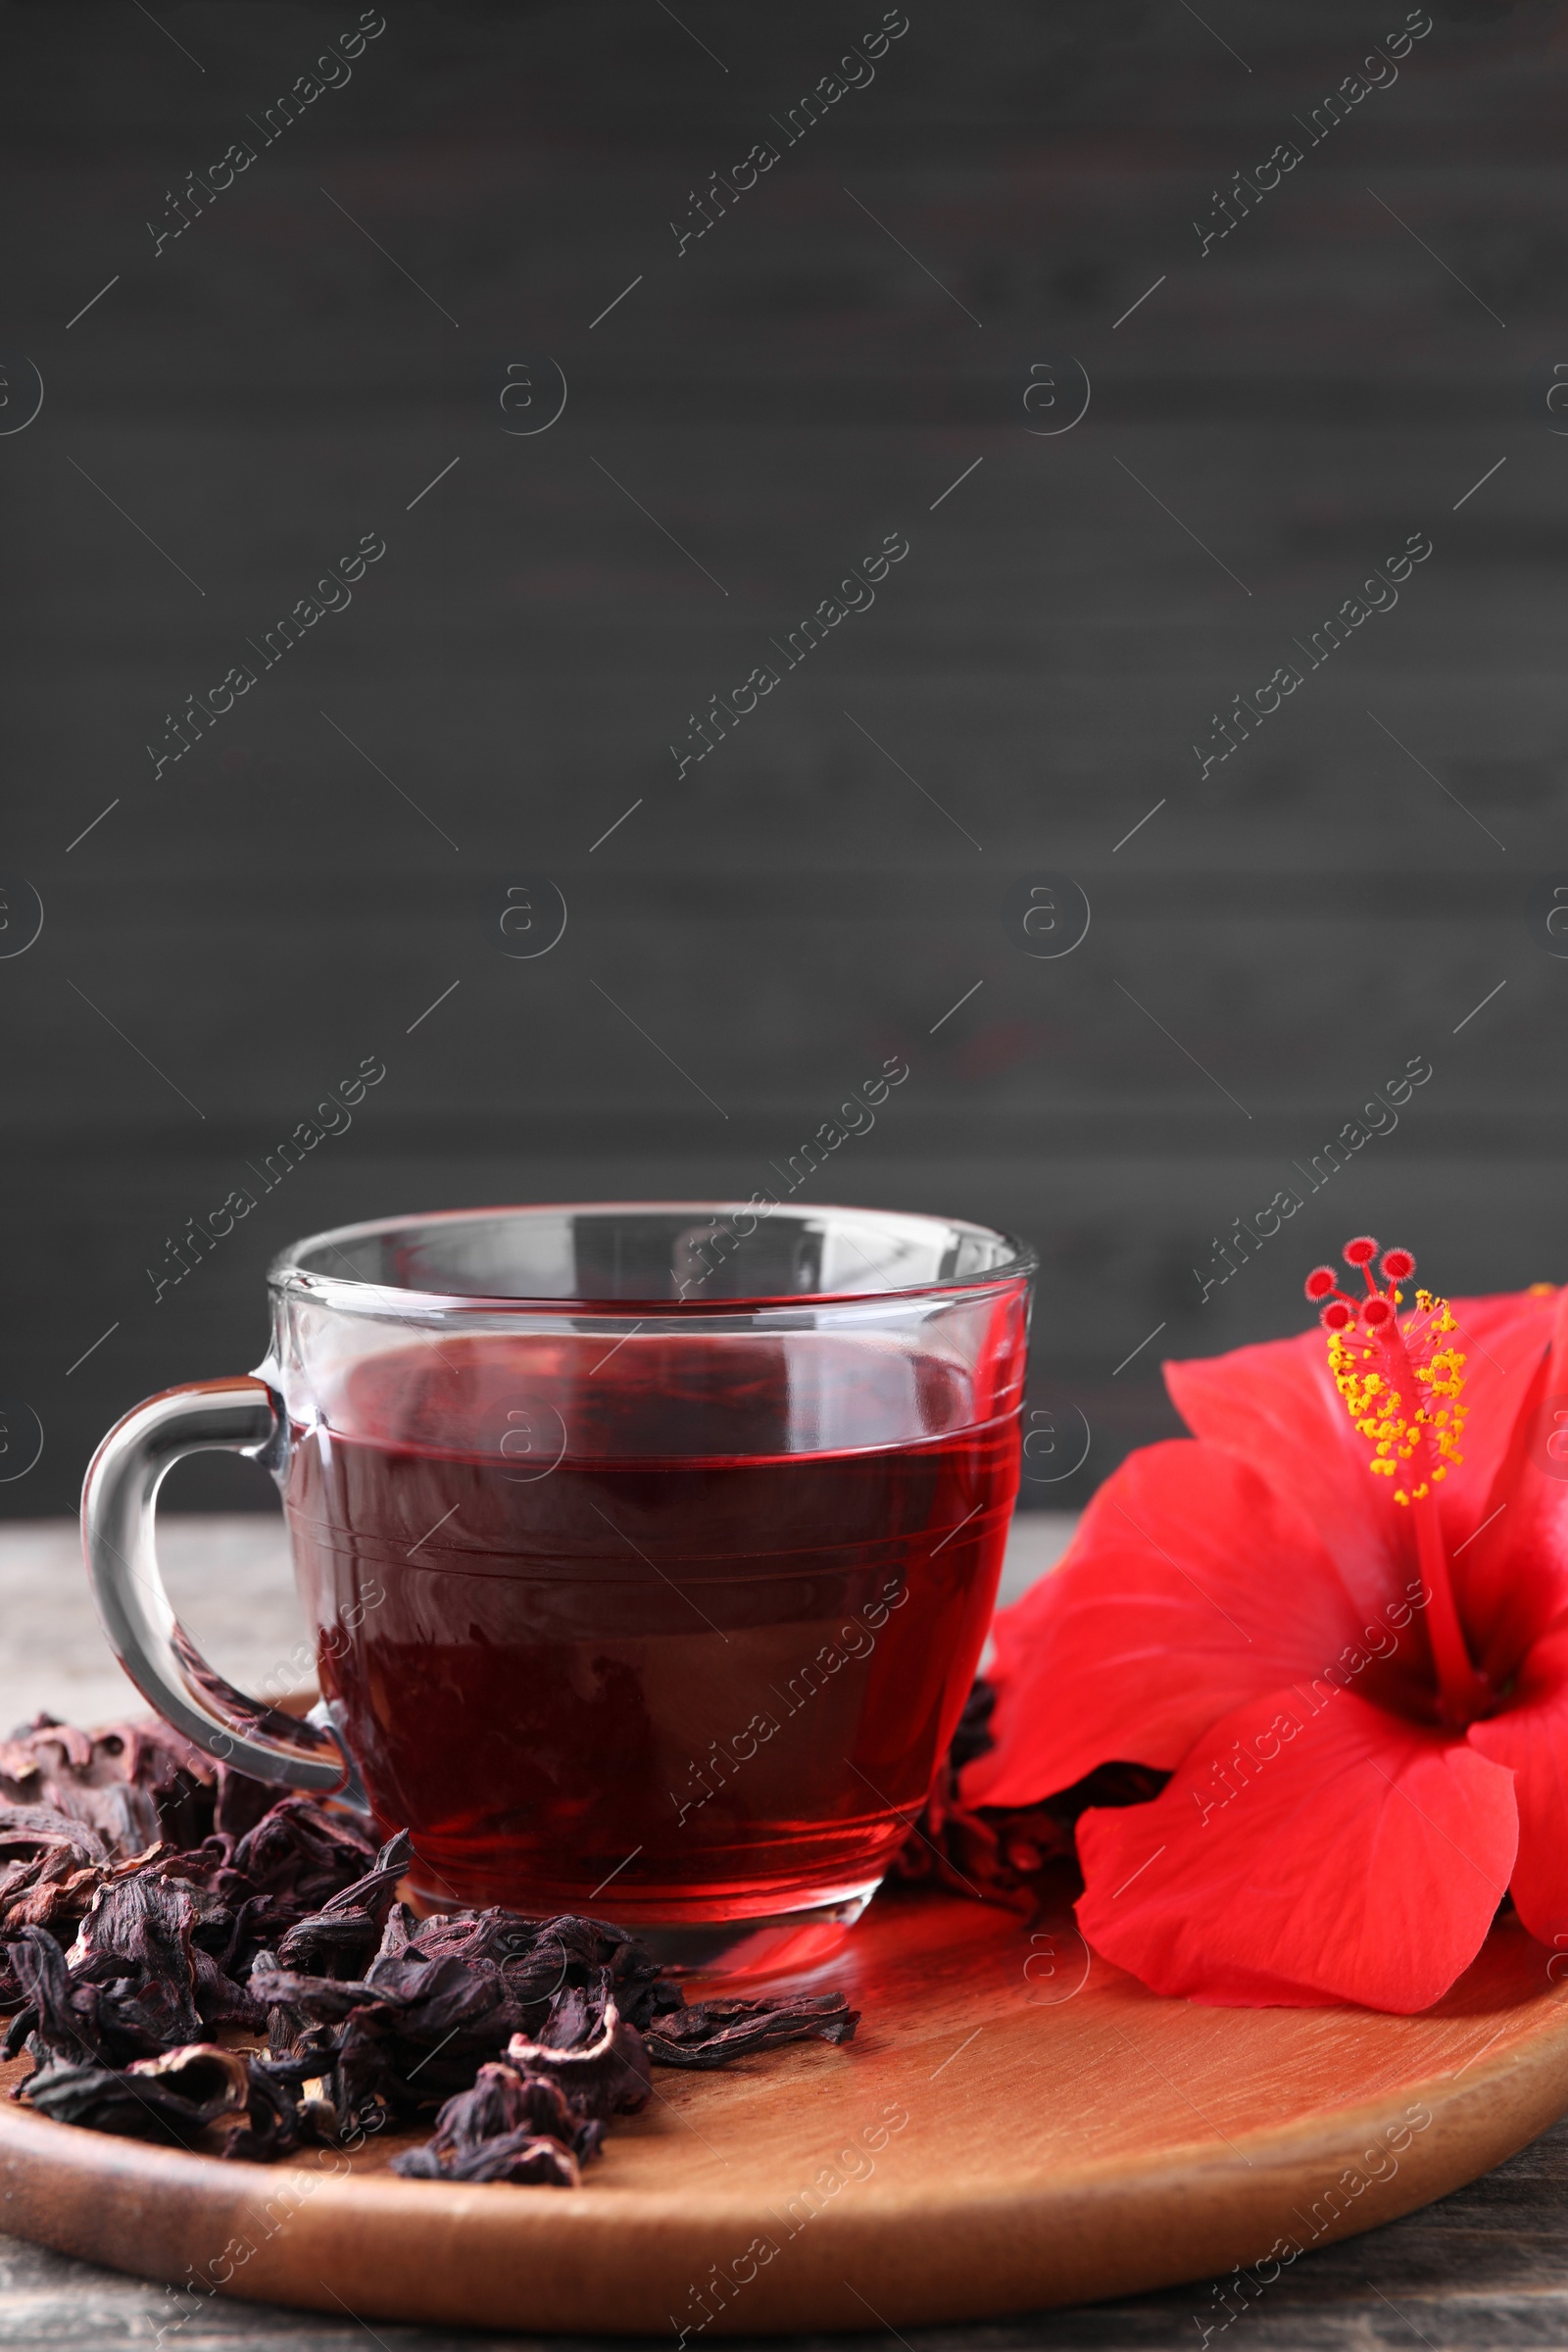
pixel 1400 1388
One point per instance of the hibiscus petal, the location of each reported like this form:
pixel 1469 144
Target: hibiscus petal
pixel 1277 1406
pixel 1503 1343
pixel 1357 1856
pixel 1191 1586
pixel 1510 1550
pixel 1503 1340
pixel 1532 1738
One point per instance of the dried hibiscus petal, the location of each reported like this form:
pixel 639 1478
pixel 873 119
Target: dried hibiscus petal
pixel 712 2033
pixel 504 2130
pixel 450 2019
pixel 133 1951
pixel 60 1897
pixel 300 1850
pixel 219 1999
pixel 209 2077
pixel 587 2047
pixel 50 2017
pixel 997 1852
pixel 341 1939
pixel 520 2158
pixel 36 1833
pixel 134 1783
pixel 271 2125
pixel 170 2097
pixel 324 2000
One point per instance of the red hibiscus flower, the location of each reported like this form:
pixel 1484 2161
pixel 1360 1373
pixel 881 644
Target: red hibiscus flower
pixel 1343 1629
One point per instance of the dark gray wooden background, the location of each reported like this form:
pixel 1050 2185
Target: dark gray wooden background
pixel 856 333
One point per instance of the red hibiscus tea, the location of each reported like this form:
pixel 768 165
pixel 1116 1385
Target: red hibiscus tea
pixel 590 1663
pixel 650 1549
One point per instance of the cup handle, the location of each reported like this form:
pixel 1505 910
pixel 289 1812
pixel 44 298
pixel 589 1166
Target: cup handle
pixel 242 1416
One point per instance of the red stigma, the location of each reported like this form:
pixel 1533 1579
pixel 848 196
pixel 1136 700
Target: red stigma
pixel 1378 1313
pixel 1336 1316
pixel 1321 1284
pixel 1398 1265
pixel 1361 1252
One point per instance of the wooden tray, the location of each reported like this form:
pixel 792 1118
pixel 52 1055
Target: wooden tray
pixel 1065 2135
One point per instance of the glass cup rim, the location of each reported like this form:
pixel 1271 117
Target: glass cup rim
pixel 286 1277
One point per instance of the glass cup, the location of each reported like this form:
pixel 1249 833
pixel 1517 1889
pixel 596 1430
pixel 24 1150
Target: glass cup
pixel 649 1549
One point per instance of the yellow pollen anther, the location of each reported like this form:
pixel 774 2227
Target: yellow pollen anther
pixel 1433 1420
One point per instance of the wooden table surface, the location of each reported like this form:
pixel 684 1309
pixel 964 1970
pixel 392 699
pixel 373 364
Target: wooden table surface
pixel 1486 2267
